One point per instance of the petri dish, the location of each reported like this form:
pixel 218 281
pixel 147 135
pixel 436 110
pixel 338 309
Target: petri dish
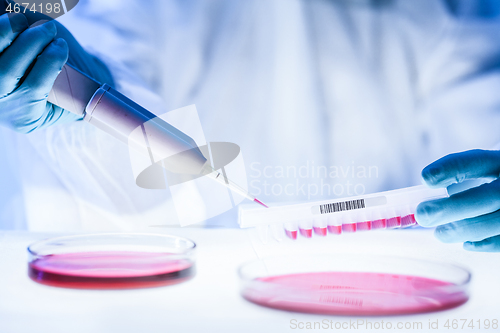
pixel 354 285
pixel 112 261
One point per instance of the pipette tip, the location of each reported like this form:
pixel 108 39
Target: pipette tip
pixel 260 202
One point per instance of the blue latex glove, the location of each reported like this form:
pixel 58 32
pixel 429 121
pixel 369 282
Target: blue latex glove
pixel 471 216
pixel 23 92
pixel 30 60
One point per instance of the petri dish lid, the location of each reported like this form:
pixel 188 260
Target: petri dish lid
pixel 111 261
pixel 354 284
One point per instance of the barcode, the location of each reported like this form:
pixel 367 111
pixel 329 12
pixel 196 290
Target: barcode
pixel 342 206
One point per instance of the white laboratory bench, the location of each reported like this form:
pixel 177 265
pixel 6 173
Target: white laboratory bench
pixel 210 302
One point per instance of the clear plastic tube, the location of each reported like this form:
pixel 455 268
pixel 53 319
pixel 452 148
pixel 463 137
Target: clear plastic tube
pixel 382 210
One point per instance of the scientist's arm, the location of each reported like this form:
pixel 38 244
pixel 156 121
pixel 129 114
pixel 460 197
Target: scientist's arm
pixel 30 60
pixel 471 217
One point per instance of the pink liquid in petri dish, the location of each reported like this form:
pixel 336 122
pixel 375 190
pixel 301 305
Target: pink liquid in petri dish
pixel 354 293
pixel 307 233
pixel 394 222
pixel 362 226
pixel 408 220
pixel 379 224
pixel 335 229
pixel 320 231
pixel 350 227
pixel 292 234
pixel 110 270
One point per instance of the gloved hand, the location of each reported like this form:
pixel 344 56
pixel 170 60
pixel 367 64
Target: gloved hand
pixel 23 92
pixel 30 60
pixel 471 216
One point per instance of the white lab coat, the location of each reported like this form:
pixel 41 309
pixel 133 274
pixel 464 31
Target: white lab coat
pixel 325 97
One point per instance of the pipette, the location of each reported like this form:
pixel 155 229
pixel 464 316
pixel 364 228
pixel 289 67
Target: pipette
pixel 391 209
pixel 117 115
pixel 217 176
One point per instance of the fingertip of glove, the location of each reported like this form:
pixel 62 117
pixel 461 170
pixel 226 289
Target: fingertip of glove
pixel 432 175
pixel 424 214
pixel 56 54
pixel 50 26
pixel 58 49
pixel 443 234
pixel 18 22
pixel 60 43
pixel 491 244
pixel 470 246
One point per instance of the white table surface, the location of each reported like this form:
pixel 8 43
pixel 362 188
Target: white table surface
pixel 210 302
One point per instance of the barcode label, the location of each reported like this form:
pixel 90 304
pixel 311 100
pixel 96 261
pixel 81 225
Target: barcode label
pixel 342 206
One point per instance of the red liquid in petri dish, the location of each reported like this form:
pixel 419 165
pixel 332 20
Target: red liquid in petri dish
pixel 320 231
pixel 335 229
pixel 394 222
pixel 350 227
pixel 110 270
pixel 354 293
pixel 362 226
pixel 379 224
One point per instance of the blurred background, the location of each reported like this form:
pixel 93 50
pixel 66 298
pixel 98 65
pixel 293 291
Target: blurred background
pixel 326 98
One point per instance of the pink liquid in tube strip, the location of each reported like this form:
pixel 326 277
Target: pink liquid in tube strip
pixel 349 227
pixel 320 231
pixel 394 222
pixel 362 226
pixel 335 229
pixel 379 224
pixel 408 220
pixel 307 233
pixel 383 210
pixel 292 234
